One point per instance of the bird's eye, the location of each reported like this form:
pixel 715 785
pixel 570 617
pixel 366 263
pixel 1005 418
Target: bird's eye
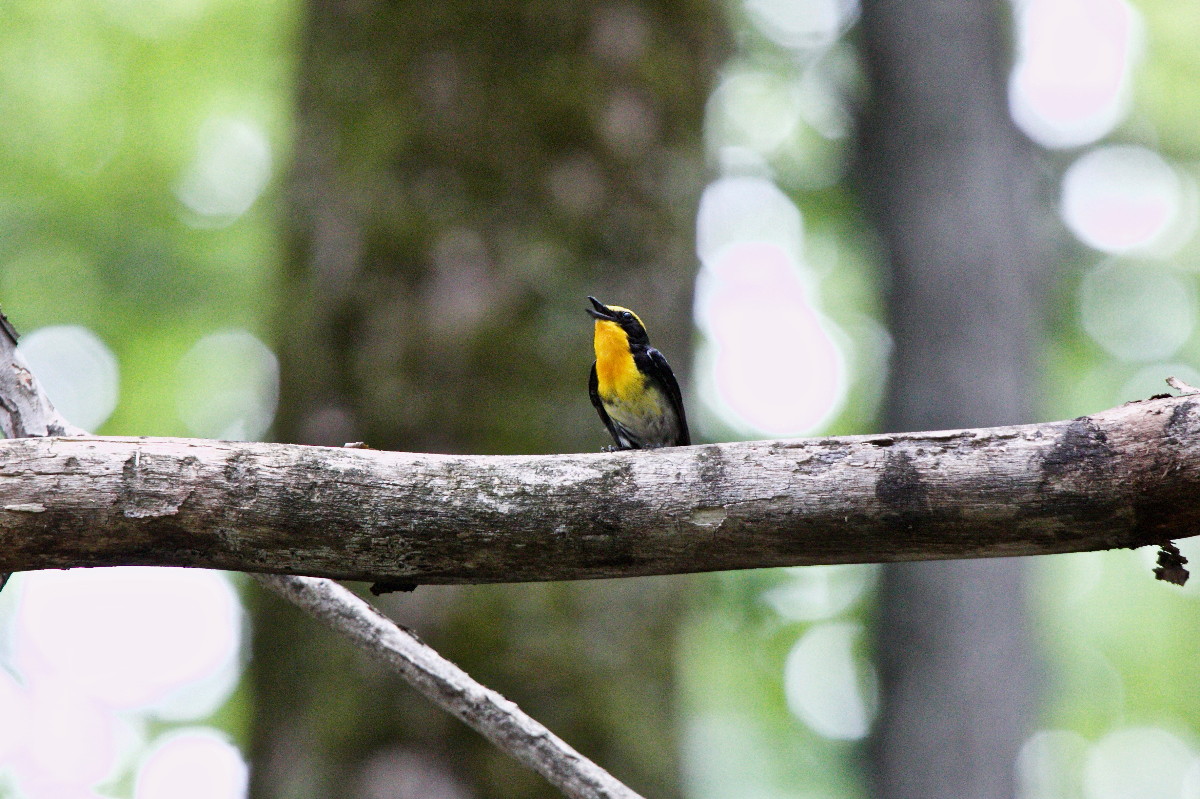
pixel 626 316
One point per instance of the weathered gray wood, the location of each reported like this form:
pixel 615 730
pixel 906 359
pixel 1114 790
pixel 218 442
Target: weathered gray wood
pixel 498 719
pixel 25 409
pixel 1125 477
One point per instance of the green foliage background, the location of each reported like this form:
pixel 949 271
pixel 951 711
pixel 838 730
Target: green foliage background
pixel 101 105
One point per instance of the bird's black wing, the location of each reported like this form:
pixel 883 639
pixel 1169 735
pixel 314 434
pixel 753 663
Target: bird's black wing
pixel 661 371
pixel 594 393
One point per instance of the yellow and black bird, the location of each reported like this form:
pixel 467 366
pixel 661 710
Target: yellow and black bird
pixel 632 385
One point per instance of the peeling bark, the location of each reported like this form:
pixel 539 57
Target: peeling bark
pixel 1125 477
pixel 24 408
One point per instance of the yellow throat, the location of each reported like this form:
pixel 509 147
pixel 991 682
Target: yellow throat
pixel 616 372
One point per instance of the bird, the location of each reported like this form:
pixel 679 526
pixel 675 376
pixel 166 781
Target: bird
pixel 632 385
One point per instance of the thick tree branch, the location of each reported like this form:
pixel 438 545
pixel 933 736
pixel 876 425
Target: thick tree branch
pixel 1125 477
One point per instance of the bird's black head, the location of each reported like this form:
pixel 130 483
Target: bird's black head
pixel 623 318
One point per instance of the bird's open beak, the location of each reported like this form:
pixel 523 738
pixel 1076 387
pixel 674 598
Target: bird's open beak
pixel 600 311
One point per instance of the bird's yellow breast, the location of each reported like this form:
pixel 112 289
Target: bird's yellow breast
pixel 616 373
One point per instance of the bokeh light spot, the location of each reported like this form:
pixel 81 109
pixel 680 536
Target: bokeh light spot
pixel 77 370
pixel 802 24
pixel 14 709
pixel 827 686
pixel 1137 312
pixel 746 209
pixel 1050 764
pixel 1070 83
pixel 768 352
pixel 1137 763
pixel 193 764
pixel 228 387
pixel 818 592
pixel 1120 198
pixel 769 357
pixel 724 757
pixel 230 170
pixel 70 741
pixel 129 637
pixel 753 109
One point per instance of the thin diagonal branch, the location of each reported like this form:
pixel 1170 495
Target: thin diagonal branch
pixel 26 412
pixel 498 719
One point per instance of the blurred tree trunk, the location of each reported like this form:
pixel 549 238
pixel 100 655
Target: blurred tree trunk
pixel 953 189
pixel 465 173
